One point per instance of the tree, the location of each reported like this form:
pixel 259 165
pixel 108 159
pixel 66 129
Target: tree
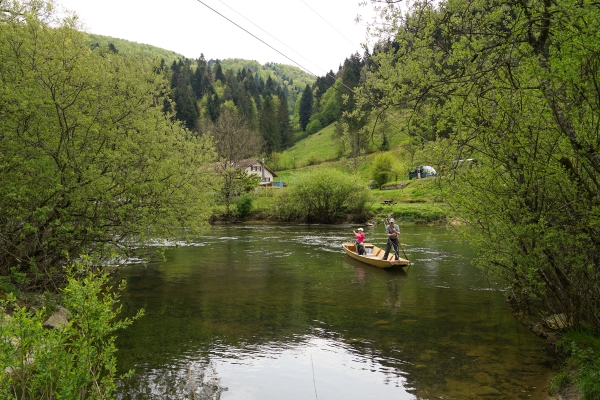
pixel 324 195
pixel 305 107
pixel 382 168
pixel 283 118
pixel 234 142
pixel 513 86
pixel 219 75
pixel 89 162
pixel 269 126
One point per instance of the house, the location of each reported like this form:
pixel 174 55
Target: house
pixel 258 167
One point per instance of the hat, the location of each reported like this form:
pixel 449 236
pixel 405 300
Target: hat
pixel 392 220
pixel 359 229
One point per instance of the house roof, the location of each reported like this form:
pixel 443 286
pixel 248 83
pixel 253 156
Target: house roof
pixel 253 161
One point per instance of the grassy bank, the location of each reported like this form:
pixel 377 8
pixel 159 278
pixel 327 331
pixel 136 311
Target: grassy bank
pixel 579 377
pixel 413 204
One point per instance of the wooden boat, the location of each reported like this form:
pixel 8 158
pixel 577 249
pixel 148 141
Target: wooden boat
pixel 374 256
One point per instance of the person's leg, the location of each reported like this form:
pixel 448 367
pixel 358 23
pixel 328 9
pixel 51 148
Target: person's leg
pixel 388 246
pixel 396 249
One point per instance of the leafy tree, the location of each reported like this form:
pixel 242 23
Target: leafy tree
pixel 89 162
pixel 331 104
pixel 513 86
pixel 234 142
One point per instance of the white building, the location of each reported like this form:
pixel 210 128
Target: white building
pixel 257 167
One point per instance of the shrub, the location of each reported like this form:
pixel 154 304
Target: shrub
pixel 74 361
pixel 244 206
pixel 324 195
pixel 314 126
pixel 381 169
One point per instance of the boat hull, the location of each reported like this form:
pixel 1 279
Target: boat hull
pixel 375 257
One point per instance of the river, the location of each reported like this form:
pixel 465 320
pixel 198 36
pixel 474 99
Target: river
pixel 280 312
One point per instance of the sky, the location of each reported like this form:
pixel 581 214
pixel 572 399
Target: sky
pixel 314 34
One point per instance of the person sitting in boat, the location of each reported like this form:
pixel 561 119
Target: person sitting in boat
pixel 360 241
pixel 392 231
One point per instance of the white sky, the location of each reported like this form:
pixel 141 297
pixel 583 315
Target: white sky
pixel 190 28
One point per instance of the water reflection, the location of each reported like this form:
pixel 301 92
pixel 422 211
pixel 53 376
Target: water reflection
pixel 249 308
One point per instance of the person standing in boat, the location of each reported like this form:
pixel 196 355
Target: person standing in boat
pixel 392 231
pixel 360 241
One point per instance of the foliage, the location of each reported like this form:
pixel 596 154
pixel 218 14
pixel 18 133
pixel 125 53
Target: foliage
pixel 582 364
pixel 89 161
pixel 244 206
pixel 511 85
pixel 381 168
pixel 126 46
pixel 313 126
pixel 324 195
pixel 75 361
pixel 291 78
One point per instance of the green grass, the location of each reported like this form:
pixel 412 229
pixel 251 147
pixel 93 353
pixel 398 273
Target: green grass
pixel 314 149
pixel 325 146
pixel 582 367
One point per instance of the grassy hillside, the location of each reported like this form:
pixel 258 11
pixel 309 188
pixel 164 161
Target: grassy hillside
pixel 123 45
pixel 326 145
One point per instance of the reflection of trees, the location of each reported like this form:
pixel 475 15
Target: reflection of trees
pixel 196 381
pixel 393 300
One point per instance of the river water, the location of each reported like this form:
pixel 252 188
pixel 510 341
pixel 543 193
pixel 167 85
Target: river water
pixel 280 312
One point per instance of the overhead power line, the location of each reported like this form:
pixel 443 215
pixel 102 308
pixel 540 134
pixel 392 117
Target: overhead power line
pixel 256 37
pixel 241 15
pixel 313 10
pixel 289 58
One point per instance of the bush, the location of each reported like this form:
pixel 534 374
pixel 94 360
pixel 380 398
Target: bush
pixel 314 126
pixel 74 361
pixel 244 206
pixel 324 195
pixel 381 169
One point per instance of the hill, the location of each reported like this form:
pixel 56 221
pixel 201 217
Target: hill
pixel 292 79
pixel 123 45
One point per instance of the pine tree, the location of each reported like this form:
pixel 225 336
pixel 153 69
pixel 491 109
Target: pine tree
pixel 219 75
pixel 213 106
pixel 283 119
pixel 269 126
pixel 305 110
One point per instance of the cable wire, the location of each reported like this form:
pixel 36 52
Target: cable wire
pixel 293 61
pixel 241 15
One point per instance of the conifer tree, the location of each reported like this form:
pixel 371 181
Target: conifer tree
pixel 219 75
pixel 306 103
pixel 213 106
pixel 283 119
pixel 269 126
